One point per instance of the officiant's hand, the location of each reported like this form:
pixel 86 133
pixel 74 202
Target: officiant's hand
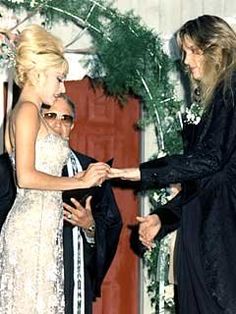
pixel 78 215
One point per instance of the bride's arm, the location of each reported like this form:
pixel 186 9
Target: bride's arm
pixel 26 129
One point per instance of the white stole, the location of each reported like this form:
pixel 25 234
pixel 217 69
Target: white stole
pixel 78 254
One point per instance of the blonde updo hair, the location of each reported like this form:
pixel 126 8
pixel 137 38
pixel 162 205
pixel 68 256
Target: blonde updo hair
pixel 37 51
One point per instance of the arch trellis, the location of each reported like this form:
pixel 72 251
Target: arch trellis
pixel 129 58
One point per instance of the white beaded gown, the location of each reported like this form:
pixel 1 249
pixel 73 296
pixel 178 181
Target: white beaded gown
pixel 31 256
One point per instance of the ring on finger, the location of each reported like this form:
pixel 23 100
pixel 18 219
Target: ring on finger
pixel 69 216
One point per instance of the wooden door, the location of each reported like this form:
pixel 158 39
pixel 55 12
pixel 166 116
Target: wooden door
pixel 104 129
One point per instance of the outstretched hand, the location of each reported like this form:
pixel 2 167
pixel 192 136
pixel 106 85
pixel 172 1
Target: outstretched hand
pixel 149 226
pixel 132 174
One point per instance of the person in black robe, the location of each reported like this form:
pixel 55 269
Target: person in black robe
pixel 205 209
pixel 7 187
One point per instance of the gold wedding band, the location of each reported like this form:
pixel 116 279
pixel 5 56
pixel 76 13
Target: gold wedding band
pixel 69 216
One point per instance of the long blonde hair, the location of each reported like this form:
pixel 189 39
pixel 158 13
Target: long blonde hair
pixel 38 50
pixel 217 40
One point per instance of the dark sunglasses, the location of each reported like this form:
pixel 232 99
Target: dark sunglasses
pixel 65 118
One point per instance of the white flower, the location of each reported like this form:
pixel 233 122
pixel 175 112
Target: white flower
pixel 148 255
pixel 156 196
pixel 7 50
pixel 161 153
pixel 169 295
pixel 193 114
pixel 33 3
pixel 17 1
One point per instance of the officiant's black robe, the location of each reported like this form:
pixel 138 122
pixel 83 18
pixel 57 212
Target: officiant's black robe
pixel 98 257
pixel 205 209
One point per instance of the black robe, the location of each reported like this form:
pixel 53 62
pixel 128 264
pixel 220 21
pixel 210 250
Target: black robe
pixel 7 187
pixel 97 259
pixel 205 209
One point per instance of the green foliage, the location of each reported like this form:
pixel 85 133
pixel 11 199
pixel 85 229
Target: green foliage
pixel 151 263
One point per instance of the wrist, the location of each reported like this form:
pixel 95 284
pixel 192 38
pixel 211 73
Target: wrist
pixel 81 180
pixel 132 174
pixel 90 230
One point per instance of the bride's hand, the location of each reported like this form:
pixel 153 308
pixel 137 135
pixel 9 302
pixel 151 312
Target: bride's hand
pixel 132 174
pixel 94 175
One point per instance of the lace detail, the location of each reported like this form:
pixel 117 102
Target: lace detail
pixel 31 257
